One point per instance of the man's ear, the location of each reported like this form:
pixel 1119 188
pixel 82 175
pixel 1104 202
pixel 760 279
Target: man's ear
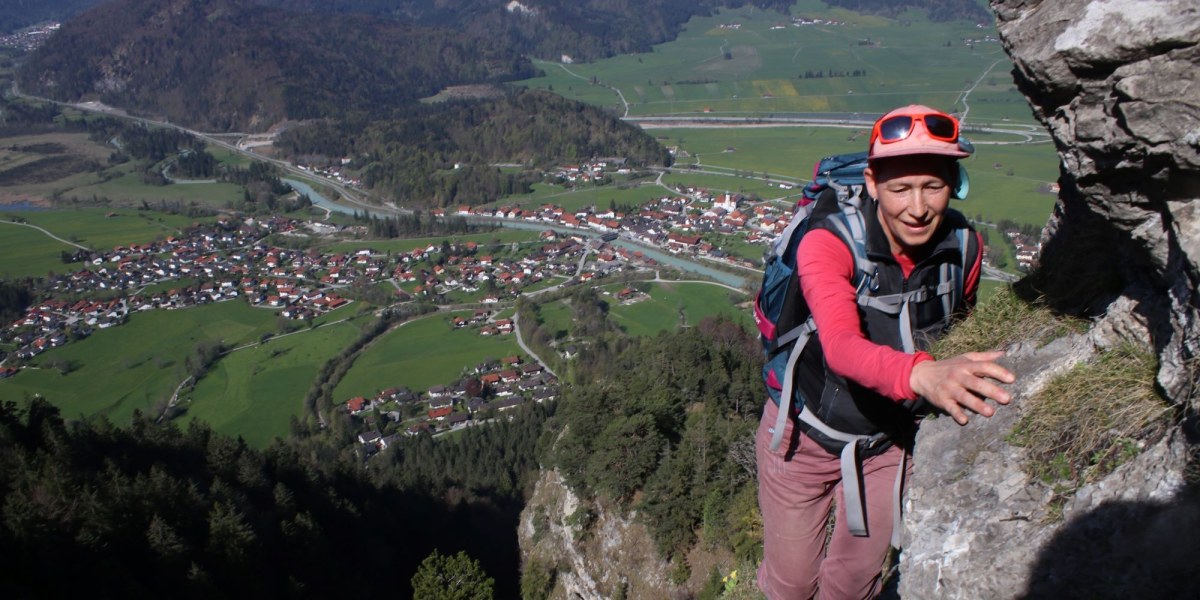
pixel 869 179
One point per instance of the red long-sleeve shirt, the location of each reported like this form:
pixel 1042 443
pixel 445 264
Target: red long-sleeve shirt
pixel 826 269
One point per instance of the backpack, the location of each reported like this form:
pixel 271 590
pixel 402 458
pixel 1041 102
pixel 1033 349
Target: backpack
pixel 785 322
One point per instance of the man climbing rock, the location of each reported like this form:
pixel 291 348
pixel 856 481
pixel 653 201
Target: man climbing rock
pixel 883 273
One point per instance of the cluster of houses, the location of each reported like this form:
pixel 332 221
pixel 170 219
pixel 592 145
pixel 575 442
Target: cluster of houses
pixel 491 278
pixel 333 172
pixel 492 388
pixel 676 223
pixel 1026 250
pixel 481 320
pixel 592 171
pixel 802 21
pixel 213 263
pixel 29 39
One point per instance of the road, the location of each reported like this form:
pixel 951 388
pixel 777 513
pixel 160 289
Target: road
pixel 1027 133
pixel 527 349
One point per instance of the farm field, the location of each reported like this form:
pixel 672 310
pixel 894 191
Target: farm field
pixel 674 305
pixel 136 365
pixel 758 70
pixel 254 392
pixel 1022 197
pixel 128 187
pixel 600 197
pixel 420 354
pixel 67 165
pixel 759 67
pixel 671 304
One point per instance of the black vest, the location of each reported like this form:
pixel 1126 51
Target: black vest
pixel 851 408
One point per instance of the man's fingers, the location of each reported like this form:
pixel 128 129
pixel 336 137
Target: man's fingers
pixel 957 414
pixel 984 356
pixel 974 403
pixel 987 389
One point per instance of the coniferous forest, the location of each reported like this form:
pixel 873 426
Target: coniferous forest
pixel 149 510
pixel 669 421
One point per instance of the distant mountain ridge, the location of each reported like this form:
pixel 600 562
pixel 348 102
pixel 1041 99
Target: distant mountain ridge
pixel 226 65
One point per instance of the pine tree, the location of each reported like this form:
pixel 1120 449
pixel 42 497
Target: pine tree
pixel 457 577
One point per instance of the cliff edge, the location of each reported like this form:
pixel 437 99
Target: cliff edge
pixel 1114 83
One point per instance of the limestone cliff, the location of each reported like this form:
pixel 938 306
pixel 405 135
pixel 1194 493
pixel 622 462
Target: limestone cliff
pixel 593 551
pixel 1114 81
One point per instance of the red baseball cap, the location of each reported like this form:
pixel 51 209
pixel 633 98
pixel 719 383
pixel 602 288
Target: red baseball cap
pixel 916 129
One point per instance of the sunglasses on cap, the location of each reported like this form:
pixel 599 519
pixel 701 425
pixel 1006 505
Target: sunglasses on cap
pixel 939 126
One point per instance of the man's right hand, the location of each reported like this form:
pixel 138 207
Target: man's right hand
pixel 958 384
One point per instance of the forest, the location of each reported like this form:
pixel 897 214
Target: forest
pixel 414 158
pixel 151 510
pixel 228 65
pixel 663 426
pixel 144 508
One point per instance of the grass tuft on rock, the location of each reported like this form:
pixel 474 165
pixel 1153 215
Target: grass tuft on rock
pixel 1002 320
pixel 1091 419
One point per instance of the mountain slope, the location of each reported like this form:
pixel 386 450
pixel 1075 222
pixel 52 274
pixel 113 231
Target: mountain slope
pixel 231 65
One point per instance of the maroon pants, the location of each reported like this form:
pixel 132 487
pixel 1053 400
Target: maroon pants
pixel 798 485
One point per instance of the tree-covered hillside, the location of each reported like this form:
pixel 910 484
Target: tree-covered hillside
pixel 151 511
pixel 413 158
pixel 229 65
pixel 664 426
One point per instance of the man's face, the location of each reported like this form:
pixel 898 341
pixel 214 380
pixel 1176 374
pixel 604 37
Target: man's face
pixel 913 193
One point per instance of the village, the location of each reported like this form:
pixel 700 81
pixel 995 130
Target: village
pixel 490 390
pixel 231 259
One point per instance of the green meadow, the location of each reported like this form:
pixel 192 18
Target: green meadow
pixel 676 304
pixel 104 229
pixel 136 365
pixel 712 68
pixel 420 354
pixel 26 252
pixel 126 186
pixel 671 305
pixel 758 69
pixel 254 392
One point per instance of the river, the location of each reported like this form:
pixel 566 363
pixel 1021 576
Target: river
pixel 658 255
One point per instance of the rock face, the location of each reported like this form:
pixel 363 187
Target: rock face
pixel 1114 81
pixel 617 558
pixel 979 527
